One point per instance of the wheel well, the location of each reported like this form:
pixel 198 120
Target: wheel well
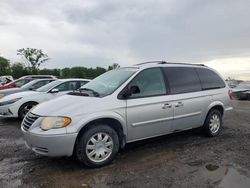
pixel 27 103
pixel 219 108
pixel 113 123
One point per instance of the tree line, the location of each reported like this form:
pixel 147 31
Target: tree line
pixel 33 58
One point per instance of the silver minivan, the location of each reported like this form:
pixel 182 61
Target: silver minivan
pixel 126 105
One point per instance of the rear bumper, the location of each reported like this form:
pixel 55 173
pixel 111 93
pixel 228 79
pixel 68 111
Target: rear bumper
pixel 52 145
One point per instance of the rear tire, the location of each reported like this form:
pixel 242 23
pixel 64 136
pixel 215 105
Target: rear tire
pixel 213 124
pixel 25 108
pixel 97 146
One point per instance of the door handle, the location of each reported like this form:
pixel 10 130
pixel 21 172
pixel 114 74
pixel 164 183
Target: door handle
pixel 165 106
pixel 179 104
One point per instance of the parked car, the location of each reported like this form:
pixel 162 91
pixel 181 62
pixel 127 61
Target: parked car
pixel 24 80
pixel 17 105
pixel 125 105
pixel 5 80
pixel 242 91
pixel 232 83
pixel 33 85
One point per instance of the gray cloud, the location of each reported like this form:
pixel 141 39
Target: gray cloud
pixel 98 33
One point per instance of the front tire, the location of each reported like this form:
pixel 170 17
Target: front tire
pixel 213 123
pixel 25 108
pixel 97 146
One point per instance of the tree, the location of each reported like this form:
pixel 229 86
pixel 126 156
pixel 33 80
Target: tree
pixel 113 66
pixel 18 70
pixel 4 66
pixel 33 57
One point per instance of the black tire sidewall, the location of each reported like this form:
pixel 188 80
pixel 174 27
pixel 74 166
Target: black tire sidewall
pixel 80 149
pixel 20 111
pixel 206 127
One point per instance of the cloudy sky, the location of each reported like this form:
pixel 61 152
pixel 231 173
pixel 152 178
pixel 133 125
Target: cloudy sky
pixel 100 32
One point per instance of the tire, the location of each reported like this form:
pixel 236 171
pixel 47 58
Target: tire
pixel 213 124
pixel 97 154
pixel 24 109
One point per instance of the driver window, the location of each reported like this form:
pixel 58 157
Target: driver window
pixel 150 83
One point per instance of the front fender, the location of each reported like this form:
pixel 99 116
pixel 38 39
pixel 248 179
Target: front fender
pixel 82 121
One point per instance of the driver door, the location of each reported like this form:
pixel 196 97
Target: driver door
pixel 149 111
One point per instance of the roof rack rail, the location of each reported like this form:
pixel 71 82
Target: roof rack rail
pixel 165 62
pixel 148 62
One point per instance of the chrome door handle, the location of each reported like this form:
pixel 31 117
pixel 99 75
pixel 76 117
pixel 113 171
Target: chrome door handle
pixel 179 104
pixel 165 106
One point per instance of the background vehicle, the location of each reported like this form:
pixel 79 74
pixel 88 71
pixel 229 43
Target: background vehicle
pixel 232 83
pixel 125 105
pixel 242 91
pixel 32 85
pixel 24 80
pixel 5 79
pixel 17 105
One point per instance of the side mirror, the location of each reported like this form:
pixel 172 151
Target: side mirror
pixel 54 91
pixel 128 92
pixel 31 88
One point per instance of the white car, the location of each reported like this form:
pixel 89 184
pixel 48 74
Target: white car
pixel 17 105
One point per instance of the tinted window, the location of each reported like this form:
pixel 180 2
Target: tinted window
pixel 150 82
pixel 22 82
pixel 182 79
pixel 209 79
pixel 41 83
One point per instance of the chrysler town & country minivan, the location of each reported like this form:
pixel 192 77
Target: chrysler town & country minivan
pixel 126 105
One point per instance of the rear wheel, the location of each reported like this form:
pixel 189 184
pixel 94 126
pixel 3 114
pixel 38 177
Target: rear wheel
pixel 97 146
pixel 213 123
pixel 25 108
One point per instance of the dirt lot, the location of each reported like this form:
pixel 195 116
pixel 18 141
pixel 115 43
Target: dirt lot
pixel 186 159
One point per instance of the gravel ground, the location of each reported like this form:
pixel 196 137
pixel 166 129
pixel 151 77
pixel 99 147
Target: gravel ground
pixel 186 159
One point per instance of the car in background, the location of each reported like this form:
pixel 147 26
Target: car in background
pixel 24 80
pixel 5 80
pixel 18 104
pixel 242 91
pixel 232 83
pixel 32 85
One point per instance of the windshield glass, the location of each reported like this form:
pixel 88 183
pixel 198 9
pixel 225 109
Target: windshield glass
pixel 28 85
pixel 49 86
pixel 108 82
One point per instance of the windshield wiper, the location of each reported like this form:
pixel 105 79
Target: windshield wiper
pixel 96 94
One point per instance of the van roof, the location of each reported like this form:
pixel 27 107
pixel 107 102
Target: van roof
pixel 165 63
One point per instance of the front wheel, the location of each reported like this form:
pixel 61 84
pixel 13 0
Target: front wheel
pixel 97 146
pixel 213 123
pixel 25 108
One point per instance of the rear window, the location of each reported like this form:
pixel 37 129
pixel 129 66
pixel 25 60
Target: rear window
pixel 182 79
pixel 209 79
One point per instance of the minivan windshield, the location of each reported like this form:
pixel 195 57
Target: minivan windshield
pixel 49 86
pixel 108 82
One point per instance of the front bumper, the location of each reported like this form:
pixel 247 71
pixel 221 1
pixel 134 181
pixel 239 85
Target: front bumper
pixel 7 111
pixel 50 145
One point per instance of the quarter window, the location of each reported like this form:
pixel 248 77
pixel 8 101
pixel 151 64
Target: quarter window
pixel 150 83
pixel 182 79
pixel 209 79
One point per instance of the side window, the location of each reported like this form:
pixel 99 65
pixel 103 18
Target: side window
pixel 82 83
pixel 182 79
pixel 67 86
pixel 209 79
pixel 150 83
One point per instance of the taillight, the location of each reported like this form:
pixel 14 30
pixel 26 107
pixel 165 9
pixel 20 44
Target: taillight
pixel 230 94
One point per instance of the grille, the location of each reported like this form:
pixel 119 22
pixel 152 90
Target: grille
pixel 29 120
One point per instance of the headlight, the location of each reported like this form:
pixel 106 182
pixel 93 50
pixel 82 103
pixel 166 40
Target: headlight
pixel 9 101
pixel 55 122
pixel 1 95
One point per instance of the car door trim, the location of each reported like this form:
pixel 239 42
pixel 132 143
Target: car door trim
pixel 187 115
pixel 143 123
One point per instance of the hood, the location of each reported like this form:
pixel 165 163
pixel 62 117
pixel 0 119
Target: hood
pixel 236 90
pixel 10 91
pixel 18 95
pixel 67 105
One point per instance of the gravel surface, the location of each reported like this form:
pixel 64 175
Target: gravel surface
pixel 186 159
